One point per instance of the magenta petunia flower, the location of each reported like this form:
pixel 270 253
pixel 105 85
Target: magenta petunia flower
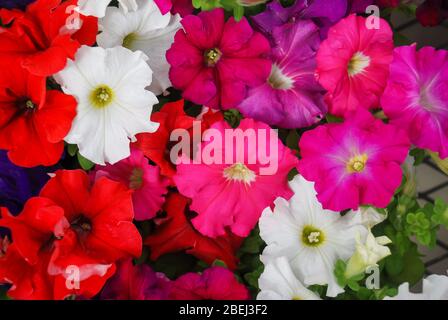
pixel 292 97
pixel 214 62
pixel 416 96
pixel 354 163
pixel 231 188
pixel 353 64
pixel 215 283
pixel 149 187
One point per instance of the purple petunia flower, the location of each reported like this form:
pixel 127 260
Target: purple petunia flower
pixel 18 184
pixel 324 14
pixel 292 97
pixel 11 4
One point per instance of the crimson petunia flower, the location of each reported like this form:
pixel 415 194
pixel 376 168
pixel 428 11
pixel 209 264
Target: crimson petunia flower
pixel 33 121
pixel 71 224
pixel 136 282
pixel 176 233
pixel 216 283
pixel 214 62
pixel 45 35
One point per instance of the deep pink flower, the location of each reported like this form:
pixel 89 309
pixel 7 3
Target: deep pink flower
pixel 132 282
pixel 291 97
pixel 182 7
pixel 215 283
pixel 234 193
pixel 353 64
pixel 214 62
pixel 416 96
pixel 354 163
pixel 149 187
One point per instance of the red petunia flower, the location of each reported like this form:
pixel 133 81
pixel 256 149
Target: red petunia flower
pixel 70 227
pixel 216 283
pixel 33 121
pixel 157 146
pixel 46 34
pixel 176 233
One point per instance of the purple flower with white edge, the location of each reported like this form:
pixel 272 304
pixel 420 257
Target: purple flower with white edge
pixel 292 97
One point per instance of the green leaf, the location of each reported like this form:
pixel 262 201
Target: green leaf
pixel 219 263
pixel 85 163
pixel 72 149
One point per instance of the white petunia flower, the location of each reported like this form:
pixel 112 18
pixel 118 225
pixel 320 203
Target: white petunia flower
pixel 113 104
pixel 97 8
pixel 145 29
pixel 367 254
pixel 370 217
pixel 312 238
pixel 278 282
pixel 435 287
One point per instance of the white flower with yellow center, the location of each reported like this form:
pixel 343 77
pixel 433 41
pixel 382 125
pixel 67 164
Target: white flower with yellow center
pixel 278 282
pixel 145 29
pixel 97 8
pixel 311 238
pixel 435 287
pixel 113 104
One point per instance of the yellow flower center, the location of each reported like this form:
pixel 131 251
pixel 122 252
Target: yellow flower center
pixel 357 64
pixel 101 96
pixel 357 163
pixel 240 173
pixel 312 237
pixel 129 40
pixel 212 57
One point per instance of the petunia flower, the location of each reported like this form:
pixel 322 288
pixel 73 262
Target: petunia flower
pixel 416 96
pixel 149 188
pixel 355 162
pixel 71 227
pixel 11 4
pixel 214 61
pixel 145 29
pixel 367 254
pixel 353 64
pixel 215 283
pixel 233 190
pixel 97 8
pixel 311 238
pixel 291 97
pixel 157 146
pixel 45 35
pixel 182 7
pixel 323 13
pixel 113 104
pixel 18 184
pixel 435 287
pixel 278 282
pixel 136 282
pixel 175 233
pixel 33 121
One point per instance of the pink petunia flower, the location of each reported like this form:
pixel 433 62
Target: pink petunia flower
pixel 416 96
pixel 234 192
pixel 291 97
pixel 353 64
pixel 354 163
pixel 215 283
pixel 149 187
pixel 214 62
